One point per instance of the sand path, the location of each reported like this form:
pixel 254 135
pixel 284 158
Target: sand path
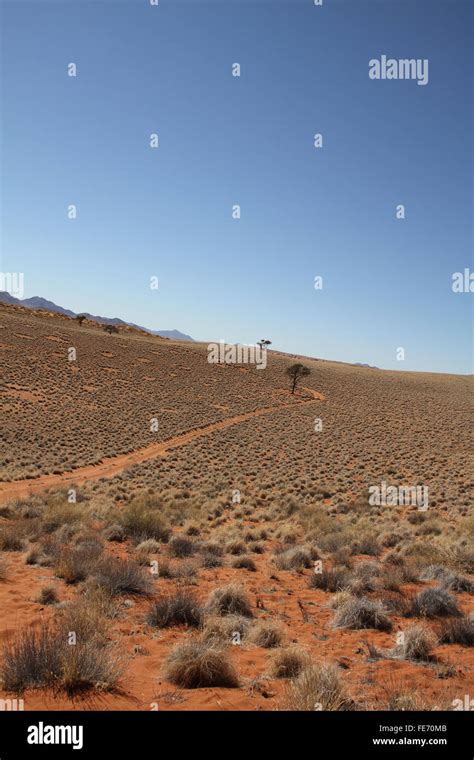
pixel 111 466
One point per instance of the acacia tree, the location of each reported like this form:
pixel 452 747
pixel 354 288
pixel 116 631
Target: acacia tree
pixel 264 343
pixel 80 318
pixel 111 329
pixel 296 372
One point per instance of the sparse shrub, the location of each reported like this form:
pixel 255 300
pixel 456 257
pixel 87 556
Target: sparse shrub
pixel 333 579
pixel 458 631
pixel 434 602
pixel 318 686
pixel 211 547
pixel 361 612
pixel 142 522
pixel 12 538
pixel 295 558
pixel 244 563
pixel 122 576
pixel 418 643
pixel 149 546
pixel 200 664
pixel 43 658
pixel 367 544
pixel 48 595
pixel 114 532
pixel 229 600
pixel 180 609
pixel 192 529
pixel 407 699
pixel 210 560
pixel 225 628
pixel 180 546
pixel 267 635
pixel 74 564
pixel 236 546
pixel 59 513
pixel 288 662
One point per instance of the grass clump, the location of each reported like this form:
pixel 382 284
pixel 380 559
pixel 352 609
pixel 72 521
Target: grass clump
pixel 229 600
pixel 122 576
pixel 180 609
pixel 434 602
pixel 318 687
pixel 198 664
pixel 288 662
pixel 361 612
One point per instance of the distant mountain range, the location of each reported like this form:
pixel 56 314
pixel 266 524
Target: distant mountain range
pixel 36 302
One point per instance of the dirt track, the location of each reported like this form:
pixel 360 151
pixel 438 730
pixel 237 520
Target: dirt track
pixel 111 466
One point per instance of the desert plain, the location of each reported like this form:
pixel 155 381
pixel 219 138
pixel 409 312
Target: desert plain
pixel 180 535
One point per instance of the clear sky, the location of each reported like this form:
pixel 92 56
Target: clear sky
pixel 223 140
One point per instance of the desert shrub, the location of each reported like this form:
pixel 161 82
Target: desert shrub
pixel 455 582
pixel 87 615
pixel 192 529
pixel 448 579
pixel 180 546
pixel 199 664
pixel 333 541
pixel 257 547
pixel 236 546
pixel 211 560
pixel 333 579
pixel 318 686
pixel 42 657
pixel 186 571
pixel 226 628
pixel 342 557
pixel 59 513
pixel 366 544
pixel 149 546
pixel 141 522
pixel 418 643
pixel 244 563
pixel 407 699
pixel 288 662
pixel 12 538
pixel 457 631
pixel 75 564
pixel 31 659
pixel 229 600
pixel 434 602
pixel 48 595
pixel 88 665
pixel 361 612
pixel 295 558
pixel 365 577
pixel 180 609
pixel 122 576
pixel 267 635
pixel 211 547
pixel 114 532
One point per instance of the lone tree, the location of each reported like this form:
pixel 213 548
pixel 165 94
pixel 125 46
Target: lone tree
pixel 296 372
pixel 264 343
pixel 80 318
pixel 111 329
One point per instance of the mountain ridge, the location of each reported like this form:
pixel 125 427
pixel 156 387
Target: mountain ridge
pixel 37 302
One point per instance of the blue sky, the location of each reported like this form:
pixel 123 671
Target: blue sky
pixel 248 141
